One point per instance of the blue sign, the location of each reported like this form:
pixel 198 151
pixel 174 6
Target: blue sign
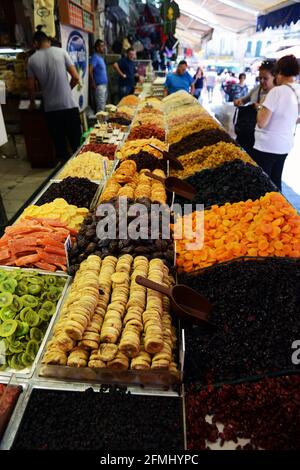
pixel 76 44
pixel 76 48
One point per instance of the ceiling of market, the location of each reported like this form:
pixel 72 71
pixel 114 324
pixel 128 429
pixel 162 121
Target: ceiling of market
pixel 199 17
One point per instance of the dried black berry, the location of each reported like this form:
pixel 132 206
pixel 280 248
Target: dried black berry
pixel 111 419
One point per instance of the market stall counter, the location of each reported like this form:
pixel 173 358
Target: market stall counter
pixel 110 329
pixel 39 145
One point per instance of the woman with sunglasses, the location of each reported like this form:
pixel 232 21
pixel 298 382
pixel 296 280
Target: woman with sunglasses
pixel 276 120
pixel 245 118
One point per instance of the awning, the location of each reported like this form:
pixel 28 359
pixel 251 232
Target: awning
pixel 215 14
pixel 282 17
pixel 238 16
pixel 295 50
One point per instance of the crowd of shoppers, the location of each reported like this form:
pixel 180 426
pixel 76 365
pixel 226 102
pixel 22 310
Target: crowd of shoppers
pixel 277 103
pixel 265 118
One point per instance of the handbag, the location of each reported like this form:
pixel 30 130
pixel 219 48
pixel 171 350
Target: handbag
pixel 245 122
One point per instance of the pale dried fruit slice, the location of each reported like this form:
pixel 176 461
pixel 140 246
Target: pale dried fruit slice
pixel 119 278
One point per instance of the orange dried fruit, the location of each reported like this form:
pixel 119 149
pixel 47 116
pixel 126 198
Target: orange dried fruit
pixel 266 228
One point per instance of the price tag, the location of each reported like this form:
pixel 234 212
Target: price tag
pixel 182 351
pixel 104 168
pixel 2 92
pixel 68 246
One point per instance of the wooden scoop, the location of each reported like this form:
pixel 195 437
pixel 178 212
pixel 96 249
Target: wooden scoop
pixel 175 185
pixel 186 302
pixel 173 161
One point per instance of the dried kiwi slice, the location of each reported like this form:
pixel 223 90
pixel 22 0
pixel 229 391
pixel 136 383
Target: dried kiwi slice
pixel 8 327
pixel 49 307
pixel 35 280
pixel 22 329
pixel 17 303
pixel 53 293
pixel 43 296
pixel 15 361
pixel 32 348
pixel 29 301
pixel 50 280
pixel 23 312
pixel 3 275
pixel 8 285
pixel 28 273
pixel 31 318
pixel 26 359
pixel 34 289
pixel 21 288
pixel 6 313
pixel 60 281
pixel 44 315
pixel 36 334
pixel 16 346
pixel 6 299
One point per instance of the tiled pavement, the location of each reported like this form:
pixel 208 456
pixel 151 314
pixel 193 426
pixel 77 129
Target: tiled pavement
pixel 18 181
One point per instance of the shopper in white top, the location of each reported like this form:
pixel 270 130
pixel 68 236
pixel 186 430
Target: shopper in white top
pixel 276 120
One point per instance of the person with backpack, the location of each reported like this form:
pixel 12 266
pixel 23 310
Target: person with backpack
pixel 245 114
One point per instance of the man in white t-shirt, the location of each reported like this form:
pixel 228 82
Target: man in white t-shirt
pixel 276 120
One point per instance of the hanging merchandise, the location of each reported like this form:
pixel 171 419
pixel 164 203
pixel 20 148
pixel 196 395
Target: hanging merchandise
pixel 44 15
pixel 169 13
pixel 170 47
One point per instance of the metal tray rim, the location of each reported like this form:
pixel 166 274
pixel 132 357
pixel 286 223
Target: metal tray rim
pixel 27 375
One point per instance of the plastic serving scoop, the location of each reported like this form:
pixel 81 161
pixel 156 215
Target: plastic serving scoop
pixel 173 161
pixel 175 185
pixel 186 302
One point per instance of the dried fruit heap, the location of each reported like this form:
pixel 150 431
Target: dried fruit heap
pixel 256 313
pixel 86 165
pixel 127 182
pixel 87 241
pixel 266 413
pixel 109 321
pixel 231 182
pixel 27 303
pixel 268 226
pixel 115 420
pixel 75 191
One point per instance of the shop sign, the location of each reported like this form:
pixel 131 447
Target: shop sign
pixel 44 15
pixel 76 44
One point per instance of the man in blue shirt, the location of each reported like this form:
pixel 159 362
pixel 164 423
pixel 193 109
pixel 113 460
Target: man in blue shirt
pixel 179 80
pixel 98 75
pixel 126 69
